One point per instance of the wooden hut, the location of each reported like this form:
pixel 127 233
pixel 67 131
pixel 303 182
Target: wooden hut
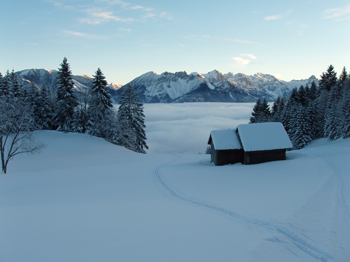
pixel 225 147
pixel 263 142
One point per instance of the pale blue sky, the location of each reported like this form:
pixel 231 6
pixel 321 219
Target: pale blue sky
pixel 288 39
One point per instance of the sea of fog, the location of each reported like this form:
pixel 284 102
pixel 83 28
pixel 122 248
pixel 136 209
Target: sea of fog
pixel 185 128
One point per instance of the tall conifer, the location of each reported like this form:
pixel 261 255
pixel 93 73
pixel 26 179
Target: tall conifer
pixel 131 121
pixel 66 100
pixel 100 107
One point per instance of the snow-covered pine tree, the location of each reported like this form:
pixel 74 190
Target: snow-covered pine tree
pixel 281 109
pixel 31 100
pixel 328 80
pixel 331 123
pixel 256 112
pixel 1 85
pixel 81 113
pixel 313 91
pixel 100 107
pixel 311 113
pixel 66 100
pixel 342 78
pixel 261 112
pixel 302 95
pixel 131 121
pixel 291 119
pixel 346 110
pixel 14 87
pixel 302 129
pixel 275 113
pixel 43 109
pixel 4 87
pixel 266 113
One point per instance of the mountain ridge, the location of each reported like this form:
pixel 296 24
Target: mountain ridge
pixel 180 86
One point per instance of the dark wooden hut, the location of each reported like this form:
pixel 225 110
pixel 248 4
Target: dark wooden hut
pixel 263 142
pixel 225 147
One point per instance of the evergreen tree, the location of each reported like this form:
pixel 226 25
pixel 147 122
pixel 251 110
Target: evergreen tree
pixel 346 110
pixel 132 133
pixel 100 107
pixel 329 128
pixel 31 100
pixel 311 113
pixel 282 109
pixel 4 87
pixel 302 95
pixel 342 78
pixel 261 112
pixel 14 87
pixel 327 82
pixel 66 100
pixel 1 85
pixel 43 109
pixel 294 97
pixel 275 113
pixel 290 121
pixel 313 91
pixel 256 112
pixel 266 113
pixel 302 134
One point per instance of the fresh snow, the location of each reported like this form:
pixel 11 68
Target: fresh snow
pixel 225 139
pixel 263 136
pixel 84 199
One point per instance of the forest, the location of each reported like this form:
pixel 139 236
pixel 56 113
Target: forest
pixel 23 111
pixel 311 111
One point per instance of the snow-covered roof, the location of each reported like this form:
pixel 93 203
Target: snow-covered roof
pixel 225 139
pixel 263 136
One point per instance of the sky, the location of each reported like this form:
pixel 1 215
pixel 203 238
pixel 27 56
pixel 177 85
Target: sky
pixel 288 39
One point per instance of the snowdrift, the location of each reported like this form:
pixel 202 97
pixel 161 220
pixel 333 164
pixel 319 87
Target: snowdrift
pixel 83 199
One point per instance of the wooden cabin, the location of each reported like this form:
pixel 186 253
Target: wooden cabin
pixel 225 147
pixel 249 144
pixel 263 142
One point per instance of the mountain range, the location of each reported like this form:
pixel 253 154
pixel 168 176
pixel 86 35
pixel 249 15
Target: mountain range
pixel 182 87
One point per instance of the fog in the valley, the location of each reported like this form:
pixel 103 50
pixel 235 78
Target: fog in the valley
pixel 185 128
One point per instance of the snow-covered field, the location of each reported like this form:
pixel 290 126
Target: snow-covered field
pixel 83 199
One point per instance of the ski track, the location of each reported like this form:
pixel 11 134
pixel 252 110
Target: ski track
pixel 296 240
pixel 337 172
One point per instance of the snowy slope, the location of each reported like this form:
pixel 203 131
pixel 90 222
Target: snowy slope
pixel 83 199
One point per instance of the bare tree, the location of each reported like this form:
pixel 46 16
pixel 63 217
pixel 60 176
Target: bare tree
pixel 16 131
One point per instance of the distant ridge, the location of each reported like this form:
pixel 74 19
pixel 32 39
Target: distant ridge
pixel 182 87
pixel 211 87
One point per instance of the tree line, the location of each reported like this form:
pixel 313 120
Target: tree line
pixel 311 112
pixel 23 110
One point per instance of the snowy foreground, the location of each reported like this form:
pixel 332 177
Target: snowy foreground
pixel 83 199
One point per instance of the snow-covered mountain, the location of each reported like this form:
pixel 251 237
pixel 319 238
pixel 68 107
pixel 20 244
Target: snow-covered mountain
pixel 211 87
pixel 48 78
pixel 182 87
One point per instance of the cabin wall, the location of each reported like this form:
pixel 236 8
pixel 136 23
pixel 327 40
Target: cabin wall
pixel 256 157
pixel 213 153
pixel 224 157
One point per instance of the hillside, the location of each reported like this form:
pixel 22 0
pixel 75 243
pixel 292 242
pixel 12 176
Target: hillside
pixel 83 199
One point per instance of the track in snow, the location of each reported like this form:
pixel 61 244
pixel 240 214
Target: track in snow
pixel 296 240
